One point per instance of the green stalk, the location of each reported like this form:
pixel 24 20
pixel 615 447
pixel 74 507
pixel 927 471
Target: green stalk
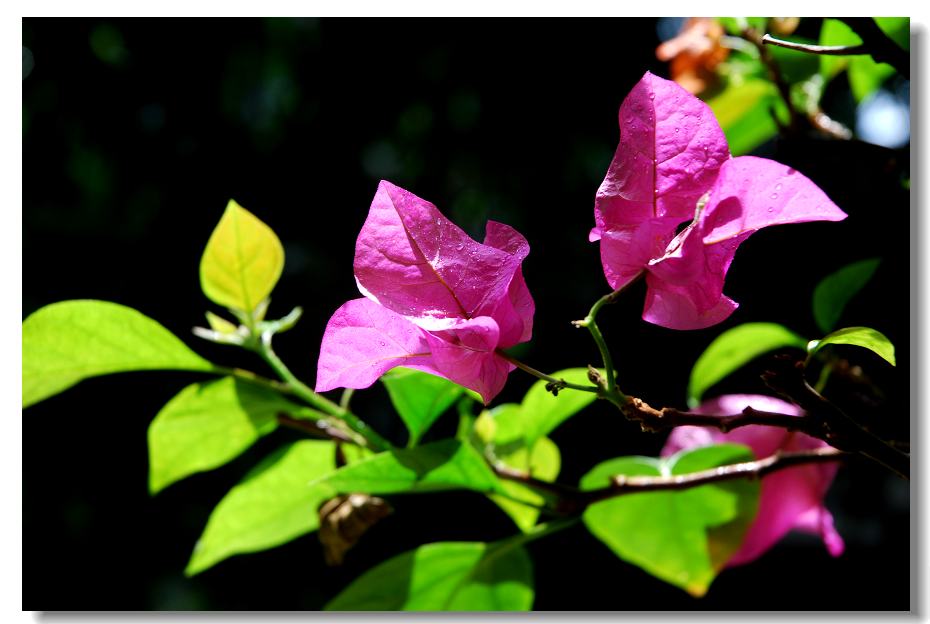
pixel 373 439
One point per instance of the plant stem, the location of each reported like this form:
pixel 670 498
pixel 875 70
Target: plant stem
pixel 609 387
pixel 372 438
pixel 622 484
pixel 816 49
pixel 249 376
pixel 560 383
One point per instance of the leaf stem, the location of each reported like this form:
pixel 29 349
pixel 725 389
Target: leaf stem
pixel 559 383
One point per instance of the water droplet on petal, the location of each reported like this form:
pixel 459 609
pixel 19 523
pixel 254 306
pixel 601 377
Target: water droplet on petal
pixel 774 195
pixel 383 344
pixel 771 209
pixel 778 186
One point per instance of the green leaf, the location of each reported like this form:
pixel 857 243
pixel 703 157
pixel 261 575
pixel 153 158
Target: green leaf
pixel 735 348
pixel 419 398
pixel 272 505
pixel 445 576
pixel 835 290
pixel 683 537
pixel 864 337
pixel 207 424
pixel 541 411
pixel 242 261
pixel 69 341
pixel 865 75
pixel 744 111
pixel 444 465
pixel 542 462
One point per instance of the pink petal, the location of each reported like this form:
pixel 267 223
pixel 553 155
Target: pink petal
pixel 465 354
pixel 790 498
pixel 363 340
pixel 670 150
pixel 677 307
pixel 752 193
pixel 686 284
pixel 513 313
pixel 414 261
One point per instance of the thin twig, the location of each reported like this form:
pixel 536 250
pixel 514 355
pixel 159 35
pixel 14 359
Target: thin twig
pixel 557 384
pixel 816 49
pixel 570 500
pixel 318 429
pixel 655 420
pixel 621 484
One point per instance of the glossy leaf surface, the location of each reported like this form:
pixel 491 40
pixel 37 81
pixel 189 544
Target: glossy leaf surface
pixel 66 342
pixel 419 398
pixel 272 505
pixel 445 576
pixel 733 349
pixel 444 465
pixel 207 424
pixel 864 337
pixel 682 537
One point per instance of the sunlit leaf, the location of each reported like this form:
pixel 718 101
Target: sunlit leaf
pixel 865 75
pixel 744 111
pixel 445 576
pixel 734 348
pixel 683 537
pixel 207 424
pixel 419 398
pixel 242 261
pixel 541 411
pixel 66 342
pixel 443 465
pixel 542 462
pixel 272 505
pixel 864 337
pixel 833 292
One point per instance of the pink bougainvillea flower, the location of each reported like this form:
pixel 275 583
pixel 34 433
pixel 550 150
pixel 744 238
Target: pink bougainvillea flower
pixel 791 498
pixel 673 166
pixel 435 300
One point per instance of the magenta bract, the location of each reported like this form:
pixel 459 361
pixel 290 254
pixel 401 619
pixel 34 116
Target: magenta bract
pixel 791 498
pixel 673 157
pixel 436 300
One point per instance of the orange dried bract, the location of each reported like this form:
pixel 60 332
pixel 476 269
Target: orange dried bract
pixel 695 53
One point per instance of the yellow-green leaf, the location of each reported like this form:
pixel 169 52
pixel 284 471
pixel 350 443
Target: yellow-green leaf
pixel 242 262
pixel 68 341
pixel 864 337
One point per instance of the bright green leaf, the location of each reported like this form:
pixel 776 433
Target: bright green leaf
pixel 207 424
pixel 865 75
pixel 543 462
pixel 242 261
pixel 541 411
pixel 445 576
pixel 443 465
pixel 835 290
pixel 683 537
pixel 735 348
pixel 419 398
pixel 864 337
pixel 272 505
pixel 743 110
pixel 66 342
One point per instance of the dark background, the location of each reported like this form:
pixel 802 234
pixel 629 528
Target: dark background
pixel 137 132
